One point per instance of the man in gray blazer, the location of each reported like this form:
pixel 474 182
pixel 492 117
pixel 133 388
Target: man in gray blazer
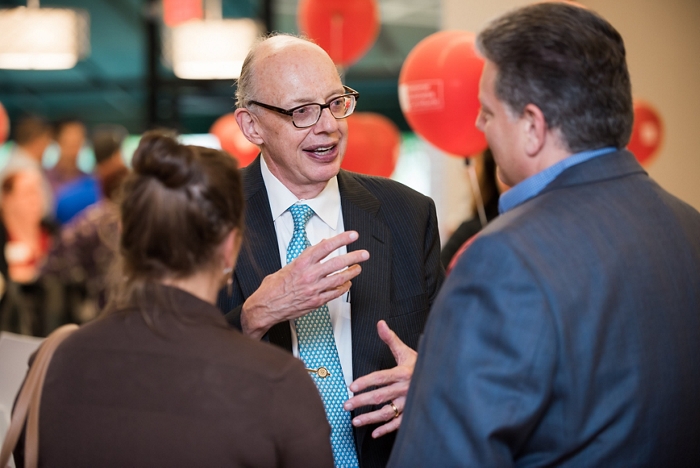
pixel 292 104
pixel 568 334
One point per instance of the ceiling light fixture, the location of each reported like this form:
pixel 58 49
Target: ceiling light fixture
pixel 213 48
pixel 33 38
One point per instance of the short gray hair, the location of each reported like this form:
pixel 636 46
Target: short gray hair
pixel 245 86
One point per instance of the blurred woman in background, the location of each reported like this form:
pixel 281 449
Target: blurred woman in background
pixel 491 189
pixel 22 211
pixel 70 136
pixel 160 379
pixel 84 253
pixel 31 306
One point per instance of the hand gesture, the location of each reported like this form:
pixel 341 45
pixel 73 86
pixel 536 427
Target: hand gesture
pixel 302 285
pixel 393 386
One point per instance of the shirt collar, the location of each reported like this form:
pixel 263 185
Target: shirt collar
pixel 326 204
pixel 535 184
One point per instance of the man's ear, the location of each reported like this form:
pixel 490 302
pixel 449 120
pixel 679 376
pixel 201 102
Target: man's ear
pixel 248 125
pixel 535 129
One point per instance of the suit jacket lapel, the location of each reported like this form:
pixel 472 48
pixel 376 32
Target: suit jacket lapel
pixel 369 295
pixel 370 298
pixel 260 253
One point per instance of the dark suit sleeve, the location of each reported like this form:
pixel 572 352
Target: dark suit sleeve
pixel 233 317
pixel 485 365
pixel 231 304
pixel 434 271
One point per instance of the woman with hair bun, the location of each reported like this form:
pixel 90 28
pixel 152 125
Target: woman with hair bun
pixel 160 379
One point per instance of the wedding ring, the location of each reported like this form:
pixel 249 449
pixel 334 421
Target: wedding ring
pixel 396 410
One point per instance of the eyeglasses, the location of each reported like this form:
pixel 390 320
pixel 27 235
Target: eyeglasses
pixel 307 115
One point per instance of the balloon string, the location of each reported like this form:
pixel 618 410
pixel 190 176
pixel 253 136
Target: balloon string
pixel 337 37
pixel 476 191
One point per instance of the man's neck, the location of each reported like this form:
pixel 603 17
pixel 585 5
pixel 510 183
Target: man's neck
pixel 301 191
pixel 66 171
pixel 552 152
pixel 306 192
pixel 550 160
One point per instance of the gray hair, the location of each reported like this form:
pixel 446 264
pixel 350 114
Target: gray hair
pixel 245 85
pixel 570 63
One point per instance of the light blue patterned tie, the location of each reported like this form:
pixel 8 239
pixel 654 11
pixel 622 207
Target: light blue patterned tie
pixel 318 351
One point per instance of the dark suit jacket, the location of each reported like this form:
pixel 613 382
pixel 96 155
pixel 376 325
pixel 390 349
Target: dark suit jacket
pixel 399 282
pixel 187 391
pixel 568 334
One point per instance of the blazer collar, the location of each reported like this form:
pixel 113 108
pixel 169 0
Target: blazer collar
pixel 252 179
pixel 621 163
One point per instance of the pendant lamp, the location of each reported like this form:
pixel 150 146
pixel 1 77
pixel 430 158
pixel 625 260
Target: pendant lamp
pixel 212 48
pixel 33 38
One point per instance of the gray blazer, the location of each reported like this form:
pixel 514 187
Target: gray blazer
pixel 399 282
pixel 568 334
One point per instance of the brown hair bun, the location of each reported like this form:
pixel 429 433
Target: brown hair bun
pixel 178 206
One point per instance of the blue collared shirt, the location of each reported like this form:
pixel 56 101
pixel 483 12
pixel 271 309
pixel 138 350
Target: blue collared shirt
pixel 533 185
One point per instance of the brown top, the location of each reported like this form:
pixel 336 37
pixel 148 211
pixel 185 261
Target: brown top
pixel 191 393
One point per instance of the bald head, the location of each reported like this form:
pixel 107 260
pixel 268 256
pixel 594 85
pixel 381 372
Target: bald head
pixel 275 53
pixel 284 73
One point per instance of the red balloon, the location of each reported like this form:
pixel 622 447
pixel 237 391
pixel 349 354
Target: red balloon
pixel 346 29
pixel 439 92
pixel 373 144
pixel 647 132
pixel 231 137
pixel 4 125
pixel 178 11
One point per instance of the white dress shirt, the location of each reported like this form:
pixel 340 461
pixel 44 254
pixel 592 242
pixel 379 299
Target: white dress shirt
pixel 327 222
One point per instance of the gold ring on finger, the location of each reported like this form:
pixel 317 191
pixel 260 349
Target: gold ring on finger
pixel 396 410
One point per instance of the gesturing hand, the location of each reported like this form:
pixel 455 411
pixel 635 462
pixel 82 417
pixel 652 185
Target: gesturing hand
pixel 393 386
pixel 302 285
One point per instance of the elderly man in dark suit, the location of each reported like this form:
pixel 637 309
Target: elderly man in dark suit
pixel 568 334
pixel 302 209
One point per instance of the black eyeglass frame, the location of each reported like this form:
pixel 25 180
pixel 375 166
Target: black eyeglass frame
pixel 290 112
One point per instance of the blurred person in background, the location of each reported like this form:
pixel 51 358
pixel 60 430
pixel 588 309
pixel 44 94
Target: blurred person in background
pixel 70 136
pixel 490 191
pixel 89 189
pixel 86 189
pixel 160 379
pixel 22 211
pixel 30 306
pixel 32 135
pixel 84 253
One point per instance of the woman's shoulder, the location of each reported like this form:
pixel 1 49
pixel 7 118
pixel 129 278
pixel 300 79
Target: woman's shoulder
pixel 209 341
pixel 261 358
